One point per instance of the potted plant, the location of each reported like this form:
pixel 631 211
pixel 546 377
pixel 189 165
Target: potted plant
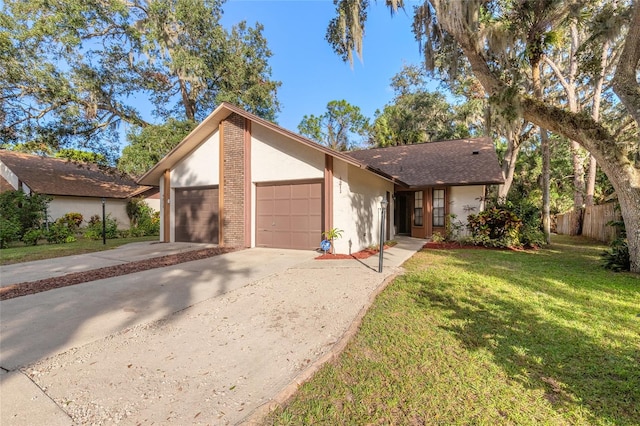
pixel 330 235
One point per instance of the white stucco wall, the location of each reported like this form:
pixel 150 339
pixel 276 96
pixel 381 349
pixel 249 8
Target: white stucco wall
pixel 277 158
pixel 357 195
pixel 153 203
pixel 465 200
pixel 161 208
pixel 200 167
pixel 87 207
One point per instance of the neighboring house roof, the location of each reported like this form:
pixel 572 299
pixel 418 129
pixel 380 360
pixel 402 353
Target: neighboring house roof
pixel 210 124
pixel 5 185
pixel 55 176
pixel 455 162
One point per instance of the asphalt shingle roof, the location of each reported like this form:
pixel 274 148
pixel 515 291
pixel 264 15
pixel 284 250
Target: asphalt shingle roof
pixel 54 176
pixel 455 162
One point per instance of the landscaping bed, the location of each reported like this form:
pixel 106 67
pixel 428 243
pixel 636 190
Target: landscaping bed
pixel 33 287
pixel 362 254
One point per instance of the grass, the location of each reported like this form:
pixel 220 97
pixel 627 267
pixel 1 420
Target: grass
pixel 488 337
pixel 21 253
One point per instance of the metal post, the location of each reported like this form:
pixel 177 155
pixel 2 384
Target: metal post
pixel 383 211
pixel 104 224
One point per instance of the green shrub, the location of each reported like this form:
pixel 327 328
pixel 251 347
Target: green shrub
pixel 10 230
pixel 617 258
pixel 144 220
pixel 149 224
pixel 71 220
pixel 499 226
pixel 93 230
pixel 20 212
pixel 59 233
pixel 32 236
pixel 437 237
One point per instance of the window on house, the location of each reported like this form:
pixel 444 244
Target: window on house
pixel 418 217
pixel 438 207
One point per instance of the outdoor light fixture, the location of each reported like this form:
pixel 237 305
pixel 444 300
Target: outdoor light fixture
pixel 383 210
pixel 104 224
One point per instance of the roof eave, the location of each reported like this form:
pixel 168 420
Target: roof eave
pixel 208 126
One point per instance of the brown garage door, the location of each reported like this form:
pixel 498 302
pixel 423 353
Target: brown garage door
pixel 196 212
pixel 289 215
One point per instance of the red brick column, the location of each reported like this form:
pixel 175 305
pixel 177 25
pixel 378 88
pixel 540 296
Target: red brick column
pixel 233 181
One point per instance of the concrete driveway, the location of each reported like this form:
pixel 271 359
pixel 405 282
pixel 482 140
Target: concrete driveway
pixel 204 342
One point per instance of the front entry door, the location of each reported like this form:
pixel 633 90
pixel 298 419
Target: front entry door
pixel 402 214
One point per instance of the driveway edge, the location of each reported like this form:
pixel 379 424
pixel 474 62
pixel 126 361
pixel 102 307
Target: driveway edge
pixel 255 418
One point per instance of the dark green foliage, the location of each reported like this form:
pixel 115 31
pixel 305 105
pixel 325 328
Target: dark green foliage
pixel 338 128
pixel 19 213
pixel 506 225
pixel 144 220
pixel 72 71
pixel 418 115
pixel 81 156
pixel 59 233
pixel 93 230
pixel 149 144
pixel 31 237
pixel 10 230
pixel 496 224
pixel 617 258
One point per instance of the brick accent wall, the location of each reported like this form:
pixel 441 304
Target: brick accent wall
pixel 233 188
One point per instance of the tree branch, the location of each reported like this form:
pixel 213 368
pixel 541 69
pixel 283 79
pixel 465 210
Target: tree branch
pixel 625 83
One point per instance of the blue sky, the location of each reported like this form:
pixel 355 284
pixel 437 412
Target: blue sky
pixel 310 72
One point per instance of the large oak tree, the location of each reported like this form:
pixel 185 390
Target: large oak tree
pixel 492 37
pixel 72 71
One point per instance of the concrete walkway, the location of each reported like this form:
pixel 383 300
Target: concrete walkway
pixel 41 269
pixel 204 342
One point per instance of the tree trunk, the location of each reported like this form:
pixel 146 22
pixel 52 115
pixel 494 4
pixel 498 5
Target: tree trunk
pixel 546 151
pixel 546 184
pixel 578 189
pixel 591 182
pixel 509 165
pixel 629 198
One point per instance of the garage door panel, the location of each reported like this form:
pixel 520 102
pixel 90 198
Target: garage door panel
pixel 265 236
pixel 282 207
pixel 282 192
pixel 196 215
pixel 315 192
pixel 301 239
pixel 294 212
pixel 300 206
pixel 300 222
pixel 282 223
pixel 300 191
pixel 268 206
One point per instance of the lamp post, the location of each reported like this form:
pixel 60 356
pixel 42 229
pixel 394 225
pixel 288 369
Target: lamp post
pixel 383 211
pixel 104 224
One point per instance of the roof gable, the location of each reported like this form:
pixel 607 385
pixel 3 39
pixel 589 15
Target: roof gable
pixel 211 123
pixel 456 162
pixel 55 176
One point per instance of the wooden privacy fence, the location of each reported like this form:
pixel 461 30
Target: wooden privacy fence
pixel 594 222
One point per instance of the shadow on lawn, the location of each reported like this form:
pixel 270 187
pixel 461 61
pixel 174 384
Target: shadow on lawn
pixel 529 340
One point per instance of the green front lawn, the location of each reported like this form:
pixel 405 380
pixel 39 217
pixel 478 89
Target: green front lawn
pixel 489 337
pixel 20 253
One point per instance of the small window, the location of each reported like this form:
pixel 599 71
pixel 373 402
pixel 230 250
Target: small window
pixel 418 217
pixel 438 207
